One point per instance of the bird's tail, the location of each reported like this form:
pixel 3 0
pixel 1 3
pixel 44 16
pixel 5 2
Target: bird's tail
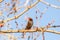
pixel 23 35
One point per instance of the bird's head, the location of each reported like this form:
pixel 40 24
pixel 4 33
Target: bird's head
pixel 28 19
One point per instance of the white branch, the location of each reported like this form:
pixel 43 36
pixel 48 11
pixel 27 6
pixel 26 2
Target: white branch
pixel 51 5
pixel 25 4
pixel 27 1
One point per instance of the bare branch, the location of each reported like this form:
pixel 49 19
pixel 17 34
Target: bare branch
pixel 15 17
pixel 52 31
pixel 51 5
pixel 32 30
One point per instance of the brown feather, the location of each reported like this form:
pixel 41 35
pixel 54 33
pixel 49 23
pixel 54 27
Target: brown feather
pixel 29 24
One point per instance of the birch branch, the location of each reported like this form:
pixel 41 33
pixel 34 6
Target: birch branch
pixel 32 30
pixel 51 5
pixel 52 31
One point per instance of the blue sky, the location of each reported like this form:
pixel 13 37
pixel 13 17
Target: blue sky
pixel 48 16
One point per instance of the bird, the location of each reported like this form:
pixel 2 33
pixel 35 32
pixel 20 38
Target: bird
pixel 29 23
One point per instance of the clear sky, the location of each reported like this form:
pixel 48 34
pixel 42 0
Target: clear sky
pixel 49 15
